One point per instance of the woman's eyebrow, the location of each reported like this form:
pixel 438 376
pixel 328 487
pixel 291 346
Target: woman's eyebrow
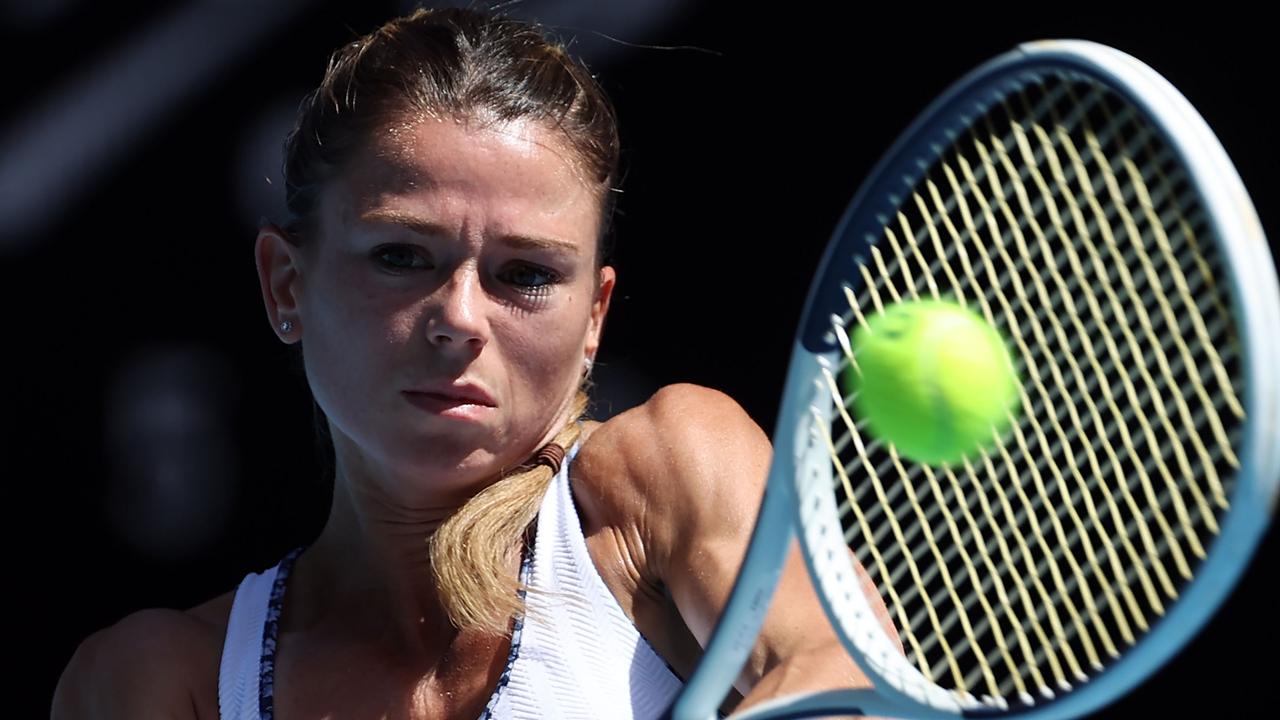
pixel 525 242
pixel 426 227
pixel 395 217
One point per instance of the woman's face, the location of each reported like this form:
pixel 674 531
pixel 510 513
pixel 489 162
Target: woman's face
pixel 460 261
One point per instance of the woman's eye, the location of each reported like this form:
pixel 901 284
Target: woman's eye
pixel 531 278
pixel 399 257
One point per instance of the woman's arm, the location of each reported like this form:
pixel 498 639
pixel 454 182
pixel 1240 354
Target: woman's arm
pixel 699 464
pixel 135 669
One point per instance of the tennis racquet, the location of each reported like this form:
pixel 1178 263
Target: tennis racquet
pixel 1074 198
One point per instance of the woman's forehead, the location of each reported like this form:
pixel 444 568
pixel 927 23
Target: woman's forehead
pixel 429 147
pixel 519 172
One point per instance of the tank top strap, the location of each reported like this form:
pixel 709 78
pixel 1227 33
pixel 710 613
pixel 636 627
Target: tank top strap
pixel 245 670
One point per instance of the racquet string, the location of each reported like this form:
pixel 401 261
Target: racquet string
pixel 1061 215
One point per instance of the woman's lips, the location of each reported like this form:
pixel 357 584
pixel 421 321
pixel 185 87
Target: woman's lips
pixel 460 408
pixel 466 392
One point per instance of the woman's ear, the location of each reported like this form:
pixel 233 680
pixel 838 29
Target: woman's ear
pixel 600 308
pixel 277 259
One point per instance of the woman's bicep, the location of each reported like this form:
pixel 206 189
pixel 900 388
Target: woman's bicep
pixel 703 490
pixel 719 462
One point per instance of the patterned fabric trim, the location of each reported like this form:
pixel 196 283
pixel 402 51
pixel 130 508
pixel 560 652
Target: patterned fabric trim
pixel 270 631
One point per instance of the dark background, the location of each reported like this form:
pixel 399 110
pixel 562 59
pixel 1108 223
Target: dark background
pixel 159 445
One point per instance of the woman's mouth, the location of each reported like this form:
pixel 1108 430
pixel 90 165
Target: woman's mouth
pixel 472 408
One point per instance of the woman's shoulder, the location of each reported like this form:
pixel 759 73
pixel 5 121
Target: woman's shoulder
pixel 151 660
pixel 681 429
pixel 687 455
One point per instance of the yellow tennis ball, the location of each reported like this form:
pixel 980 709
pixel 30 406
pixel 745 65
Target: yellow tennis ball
pixel 935 379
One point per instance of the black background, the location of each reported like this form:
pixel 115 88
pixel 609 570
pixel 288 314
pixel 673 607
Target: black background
pixel 741 150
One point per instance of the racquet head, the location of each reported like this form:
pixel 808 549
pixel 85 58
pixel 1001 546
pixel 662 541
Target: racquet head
pixel 1075 199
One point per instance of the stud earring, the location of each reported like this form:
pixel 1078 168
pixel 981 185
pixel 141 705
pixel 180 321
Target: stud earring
pixel 286 327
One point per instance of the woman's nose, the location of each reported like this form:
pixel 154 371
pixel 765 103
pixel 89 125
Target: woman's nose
pixel 458 321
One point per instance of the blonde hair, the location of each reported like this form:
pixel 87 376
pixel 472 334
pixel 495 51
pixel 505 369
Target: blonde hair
pixel 471 552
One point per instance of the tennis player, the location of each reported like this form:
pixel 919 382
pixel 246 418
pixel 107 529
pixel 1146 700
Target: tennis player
pixel 489 552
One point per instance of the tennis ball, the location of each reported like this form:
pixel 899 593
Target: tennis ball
pixel 936 380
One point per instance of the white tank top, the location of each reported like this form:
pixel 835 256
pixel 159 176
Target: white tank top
pixel 574 653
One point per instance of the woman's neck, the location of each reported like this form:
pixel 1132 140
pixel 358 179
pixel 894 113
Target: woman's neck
pixel 368 578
